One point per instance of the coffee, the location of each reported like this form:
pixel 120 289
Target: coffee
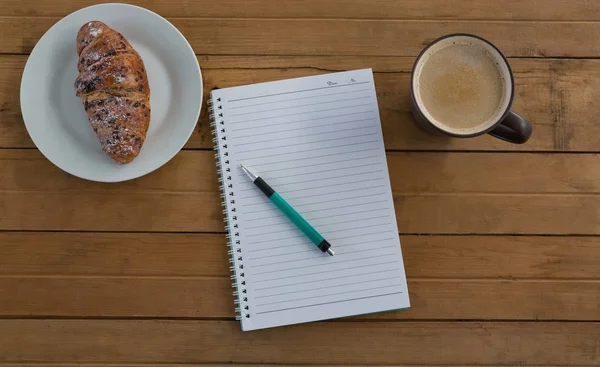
pixel 462 87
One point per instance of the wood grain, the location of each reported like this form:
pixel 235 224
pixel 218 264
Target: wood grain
pixel 176 199
pixel 114 254
pixel 221 36
pixel 382 9
pixel 498 214
pixel 430 172
pixel 196 255
pixel 110 211
pixel 200 212
pixel 208 297
pixel 186 341
pixel 512 173
pixel 557 96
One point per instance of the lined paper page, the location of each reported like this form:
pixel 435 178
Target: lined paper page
pixel 317 141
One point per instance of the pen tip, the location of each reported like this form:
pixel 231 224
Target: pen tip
pixel 330 252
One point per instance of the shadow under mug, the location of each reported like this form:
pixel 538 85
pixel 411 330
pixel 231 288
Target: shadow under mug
pixel 508 126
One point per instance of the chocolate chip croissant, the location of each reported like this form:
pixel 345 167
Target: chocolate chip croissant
pixel 114 90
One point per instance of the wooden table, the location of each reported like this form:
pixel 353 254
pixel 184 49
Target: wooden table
pixel 500 241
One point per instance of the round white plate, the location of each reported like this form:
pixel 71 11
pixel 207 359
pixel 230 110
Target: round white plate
pixel 57 121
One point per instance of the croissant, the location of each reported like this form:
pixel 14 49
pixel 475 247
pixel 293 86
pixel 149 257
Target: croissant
pixel 114 90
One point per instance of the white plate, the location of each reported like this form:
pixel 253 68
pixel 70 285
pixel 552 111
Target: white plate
pixel 57 121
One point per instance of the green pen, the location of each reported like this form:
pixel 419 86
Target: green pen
pixel 290 212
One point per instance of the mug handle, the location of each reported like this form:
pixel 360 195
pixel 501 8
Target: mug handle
pixel 513 129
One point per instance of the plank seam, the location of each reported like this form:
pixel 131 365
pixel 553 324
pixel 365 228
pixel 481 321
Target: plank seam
pixel 344 19
pixel 532 57
pixel 564 152
pixel 498 279
pixel 354 319
pixel 440 234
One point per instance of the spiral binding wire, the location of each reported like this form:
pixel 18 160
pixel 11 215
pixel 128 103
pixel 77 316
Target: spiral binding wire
pixel 240 293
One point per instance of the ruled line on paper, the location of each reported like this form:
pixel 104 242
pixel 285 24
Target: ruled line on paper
pixel 312 281
pixel 328 303
pixel 315 203
pixel 253 187
pixel 324 233
pixel 304 127
pixel 300 136
pixel 327 170
pixel 337 184
pixel 270 248
pixel 297 91
pixel 299 113
pixel 328 295
pixel 336 243
pixel 312 172
pixel 254 127
pixel 327 224
pixel 300 199
pixel 338 255
pixel 326 193
pixel 323 225
pixel 331 185
pixel 317 257
pixel 301 159
pixel 307 150
pixel 300 106
pixel 300 98
pixel 319 288
pixel 334 177
pixel 361 235
pixel 328 271
pixel 322 210
pixel 305 158
pixel 323 163
pixel 317 265
pixel 314 218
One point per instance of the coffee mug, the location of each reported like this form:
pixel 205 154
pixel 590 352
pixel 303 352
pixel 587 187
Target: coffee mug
pixel 462 86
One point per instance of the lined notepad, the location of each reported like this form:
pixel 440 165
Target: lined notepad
pixel 318 142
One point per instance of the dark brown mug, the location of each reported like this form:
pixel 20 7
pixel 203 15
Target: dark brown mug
pixel 462 86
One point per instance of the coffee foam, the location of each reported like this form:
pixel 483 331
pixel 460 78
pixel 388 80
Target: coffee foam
pixel 462 85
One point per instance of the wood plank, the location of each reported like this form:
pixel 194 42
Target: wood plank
pixel 498 214
pixel 12 128
pixel 180 255
pixel 190 172
pixel 209 297
pixel 179 199
pixel 558 96
pixel 512 173
pixel 430 172
pixel 122 297
pixel 110 211
pixel 216 36
pixel 113 254
pixel 119 341
pixel 383 9
pixel 499 256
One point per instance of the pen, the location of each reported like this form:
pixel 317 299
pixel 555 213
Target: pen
pixel 290 212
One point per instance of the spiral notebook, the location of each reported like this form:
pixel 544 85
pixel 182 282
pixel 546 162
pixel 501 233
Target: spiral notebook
pixel 317 141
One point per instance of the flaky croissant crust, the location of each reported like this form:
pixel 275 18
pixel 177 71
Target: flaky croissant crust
pixel 113 87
